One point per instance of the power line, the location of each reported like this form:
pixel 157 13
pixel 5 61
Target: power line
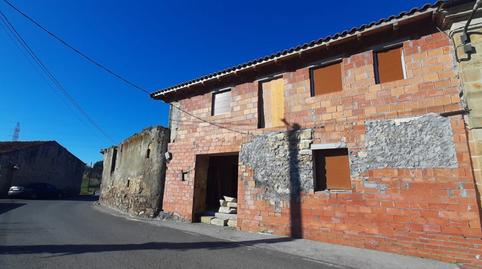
pixel 35 66
pixel 111 72
pixel 63 42
pixel 50 75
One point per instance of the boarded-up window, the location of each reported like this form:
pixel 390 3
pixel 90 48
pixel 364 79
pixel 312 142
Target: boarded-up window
pixel 271 103
pixel 221 102
pixel 332 170
pixel 389 65
pixel 326 79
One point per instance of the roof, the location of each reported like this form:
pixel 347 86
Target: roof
pixel 164 94
pixel 10 146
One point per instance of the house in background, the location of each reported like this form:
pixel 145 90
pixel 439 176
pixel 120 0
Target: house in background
pixel 27 162
pixel 134 172
pixel 363 138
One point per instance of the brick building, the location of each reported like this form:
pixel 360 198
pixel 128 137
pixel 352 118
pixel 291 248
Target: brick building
pixel 359 138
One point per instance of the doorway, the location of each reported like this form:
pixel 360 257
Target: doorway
pixel 216 176
pixel 222 180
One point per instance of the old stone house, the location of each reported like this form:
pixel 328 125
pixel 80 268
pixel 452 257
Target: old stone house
pixel 25 162
pixel 369 138
pixel 134 172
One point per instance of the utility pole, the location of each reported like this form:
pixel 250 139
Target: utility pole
pixel 16 132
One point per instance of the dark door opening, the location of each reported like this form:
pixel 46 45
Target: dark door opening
pixel 222 180
pixel 215 176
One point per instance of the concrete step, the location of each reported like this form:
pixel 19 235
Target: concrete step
pixel 227 210
pixel 206 219
pixel 219 222
pixel 232 223
pixel 226 216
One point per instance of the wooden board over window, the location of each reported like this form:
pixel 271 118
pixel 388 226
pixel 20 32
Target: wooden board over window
pixel 271 104
pixel 389 65
pixel 332 170
pixel 326 79
pixel 221 102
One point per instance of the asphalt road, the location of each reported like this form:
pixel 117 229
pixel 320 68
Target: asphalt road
pixel 71 234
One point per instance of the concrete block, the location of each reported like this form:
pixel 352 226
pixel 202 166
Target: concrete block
pixel 232 223
pixel 219 222
pixel 223 203
pixel 206 219
pixel 232 205
pixel 230 199
pixel 225 216
pixel 227 210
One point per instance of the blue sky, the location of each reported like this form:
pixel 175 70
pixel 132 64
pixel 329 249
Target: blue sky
pixel 155 44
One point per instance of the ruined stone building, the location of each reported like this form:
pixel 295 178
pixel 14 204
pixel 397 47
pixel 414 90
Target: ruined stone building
pixel 134 172
pixel 27 162
pixel 369 138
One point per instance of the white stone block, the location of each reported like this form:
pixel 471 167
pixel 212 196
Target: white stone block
pixel 227 210
pixel 225 216
pixel 232 223
pixel 206 219
pixel 230 199
pixel 219 222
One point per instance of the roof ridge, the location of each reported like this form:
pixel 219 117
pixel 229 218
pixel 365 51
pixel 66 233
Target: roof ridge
pixel 301 47
pixel 9 146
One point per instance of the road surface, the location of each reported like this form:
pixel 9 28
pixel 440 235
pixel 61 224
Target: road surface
pixel 72 234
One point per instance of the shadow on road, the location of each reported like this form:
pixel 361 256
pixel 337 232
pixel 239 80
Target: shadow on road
pixel 88 198
pixel 91 198
pixel 64 250
pixel 5 207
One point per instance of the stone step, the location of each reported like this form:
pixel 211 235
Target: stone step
pixel 206 219
pixel 225 216
pixel 219 222
pixel 227 210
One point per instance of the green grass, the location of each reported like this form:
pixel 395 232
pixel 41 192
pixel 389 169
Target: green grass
pixel 85 189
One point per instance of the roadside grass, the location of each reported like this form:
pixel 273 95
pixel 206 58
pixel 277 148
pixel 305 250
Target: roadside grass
pixel 85 189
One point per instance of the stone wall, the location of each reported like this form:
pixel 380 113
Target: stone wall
pixel 282 164
pixel 134 171
pixel 419 142
pixel 46 162
pixel 412 208
pixel 470 67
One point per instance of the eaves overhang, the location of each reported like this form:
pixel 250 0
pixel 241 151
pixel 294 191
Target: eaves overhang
pixel 392 22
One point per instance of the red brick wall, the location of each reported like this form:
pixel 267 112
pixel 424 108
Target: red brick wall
pixel 429 219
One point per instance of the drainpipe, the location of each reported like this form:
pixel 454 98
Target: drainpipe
pixel 464 38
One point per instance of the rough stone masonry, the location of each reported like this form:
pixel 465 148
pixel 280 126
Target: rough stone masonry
pixel 276 158
pixel 133 176
pixel 415 142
